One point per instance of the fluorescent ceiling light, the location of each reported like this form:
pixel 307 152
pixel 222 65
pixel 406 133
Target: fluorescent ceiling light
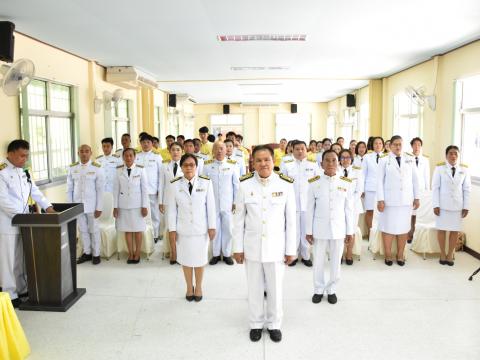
pixel 263 37
pixel 258 68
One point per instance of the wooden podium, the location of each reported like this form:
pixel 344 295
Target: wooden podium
pixel 49 245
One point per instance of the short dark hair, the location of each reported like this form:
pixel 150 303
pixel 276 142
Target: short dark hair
pixel 142 134
pixel 298 142
pixel 358 144
pixel 451 147
pixel 18 144
pixel 175 143
pixel 170 137
pixel 239 137
pixel 312 142
pixel 416 139
pixel 341 147
pixel 129 149
pixel 107 140
pixel 262 148
pixel 189 141
pixel 154 138
pixel 378 137
pixel 395 137
pixel 328 152
pixel 353 140
pixel 196 140
pixel 146 137
pixel 340 137
pixel 186 156
pixel 127 135
pixel 327 139
pixel 230 133
pixel 345 151
pixel 181 137
pixel 203 130
pixel 319 142
pixel 211 138
pixel 228 141
pixel 283 139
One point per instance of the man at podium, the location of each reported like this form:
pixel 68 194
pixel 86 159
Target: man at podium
pixel 16 187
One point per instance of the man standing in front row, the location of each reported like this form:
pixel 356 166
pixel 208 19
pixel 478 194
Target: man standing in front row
pixel 329 223
pixel 15 189
pixel 264 237
pixel 85 184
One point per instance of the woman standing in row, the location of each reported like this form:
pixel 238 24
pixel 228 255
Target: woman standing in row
pixel 360 152
pixel 451 186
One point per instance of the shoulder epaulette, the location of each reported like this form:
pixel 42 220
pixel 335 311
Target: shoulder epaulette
pixel 287 161
pixel 286 178
pixel 208 162
pixel 345 179
pixel 137 151
pixel 116 155
pixel 356 167
pixel 140 166
pixel 165 161
pixel 156 151
pixel 230 161
pixel 441 163
pixel 94 163
pixel 198 156
pixel 99 156
pixel 464 165
pixel 426 156
pixel 74 164
pixel 3 166
pixel 204 177
pixel 409 154
pixel 384 155
pixel 119 166
pixel 369 151
pixel 246 176
pixel 176 179
pixel 312 160
pixel 314 179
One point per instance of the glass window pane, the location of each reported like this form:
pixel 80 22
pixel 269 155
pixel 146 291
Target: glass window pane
pixel 38 147
pixel 60 146
pixel 471 142
pixel 59 98
pixel 471 92
pixel 122 109
pixel 37 95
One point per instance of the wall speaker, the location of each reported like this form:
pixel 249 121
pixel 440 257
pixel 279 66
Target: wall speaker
pixel 226 109
pixel 351 100
pixel 293 108
pixel 6 41
pixel 172 100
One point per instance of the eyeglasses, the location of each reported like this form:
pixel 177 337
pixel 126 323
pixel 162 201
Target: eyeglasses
pixel 346 158
pixel 187 165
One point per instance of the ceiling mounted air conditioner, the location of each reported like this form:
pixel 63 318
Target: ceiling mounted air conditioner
pixel 130 77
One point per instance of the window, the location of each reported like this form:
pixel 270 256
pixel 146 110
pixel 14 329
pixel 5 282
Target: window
pixel 331 125
pixel 468 121
pixel 293 126
pixel 221 124
pixel 349 121
pixel 406 118
pixel 363 122
pixel 173 122
pixel 47 123
pixel 120 120
pixel 158 119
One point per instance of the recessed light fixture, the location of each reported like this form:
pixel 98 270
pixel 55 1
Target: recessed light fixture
pixel 263 37
pixel 258 68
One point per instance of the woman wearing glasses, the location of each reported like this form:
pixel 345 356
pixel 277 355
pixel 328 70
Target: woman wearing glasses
pixel 191 222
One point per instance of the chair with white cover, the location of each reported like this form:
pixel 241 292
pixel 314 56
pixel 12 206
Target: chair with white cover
pixel 147 239
pixel 108 232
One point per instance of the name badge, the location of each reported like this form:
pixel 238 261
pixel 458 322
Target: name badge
pixel 409 161
pixel 151 160
pixel 277 194
pixel 341 188
pixel 91 173
pixel 198 190
pixel 225 169
pixel 136 176
pixel 308 169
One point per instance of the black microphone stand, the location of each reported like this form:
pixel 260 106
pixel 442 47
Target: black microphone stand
pixel 474 273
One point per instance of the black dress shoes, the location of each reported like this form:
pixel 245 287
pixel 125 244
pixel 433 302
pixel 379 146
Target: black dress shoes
pixel 228 260
pixel 130 261
pixel 349 261
pixel 155 240
pixel 96 260
pixel 316 298
pixel 388 262
pixel 332 298
pixel 190 298
pixel 198 298
pixel 400 262
pixel 442 262
pixel 255 334
pixel 449 263
pixel 275 335
pixel 173 262
pixel 84 258
pixel 307 263
pixel 409 241
pixel 294 262
pixel 16 303
pixel 214 260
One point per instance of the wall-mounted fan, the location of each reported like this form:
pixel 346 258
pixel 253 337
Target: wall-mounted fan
pixel 419 97
pixel 16 76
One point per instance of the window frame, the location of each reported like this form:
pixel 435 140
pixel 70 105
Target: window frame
pixel 398 116
pixel 215 125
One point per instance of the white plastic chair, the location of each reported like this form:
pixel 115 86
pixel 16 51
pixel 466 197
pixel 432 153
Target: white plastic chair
pixel 108 232
pixel 147 239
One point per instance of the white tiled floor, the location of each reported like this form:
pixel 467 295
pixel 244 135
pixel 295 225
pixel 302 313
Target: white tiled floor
pixel 421 311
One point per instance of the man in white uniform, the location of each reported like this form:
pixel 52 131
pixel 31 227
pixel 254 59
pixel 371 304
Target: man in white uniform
pixel 264 237
pixel 109 163
pixel 229 144
pixel 126 143
pixel 329 222
pixel 225 179
pixel 189 148
pixel 85 184
pixel 15 189
pixel 152 163
pixel 301 169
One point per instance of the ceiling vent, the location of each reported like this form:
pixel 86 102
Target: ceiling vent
pixel 263 37
pixel 130 77
pixel 258 104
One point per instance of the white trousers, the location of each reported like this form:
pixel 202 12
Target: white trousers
pixel 12 265
pixel 265 277
pixel 155 214
pixel 222 244
pixel 90 234
pixel 335 250
pixel 303 247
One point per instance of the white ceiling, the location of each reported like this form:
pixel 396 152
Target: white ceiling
pixel 348 41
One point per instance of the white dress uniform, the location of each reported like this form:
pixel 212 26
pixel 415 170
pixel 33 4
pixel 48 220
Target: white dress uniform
pixel 287 157
pixel 330 217
pixel 451 193
pixel 238 155
pixel 265 231
pixel 397 186
pixel 201 155
pixel 119 152
pixel 370 169
pixel 355 174
pixel 200 165
pixel 358 161
pixel 240 165
pixel 191 215
pixel 225 179
pixel 152 164
pixel 319 158
pixel 130 195
pixel 109 165
pixel 85 184
pixel 300 171
pixel 15 189
pixel 423 171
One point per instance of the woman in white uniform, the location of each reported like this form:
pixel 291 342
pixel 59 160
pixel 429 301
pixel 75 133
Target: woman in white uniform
pixel 191 222
pixel 360 152
pixel 397 192
pixel 130 203
pixel 369 168
pixel 169 171
pixel 451 186
pixel 355 174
